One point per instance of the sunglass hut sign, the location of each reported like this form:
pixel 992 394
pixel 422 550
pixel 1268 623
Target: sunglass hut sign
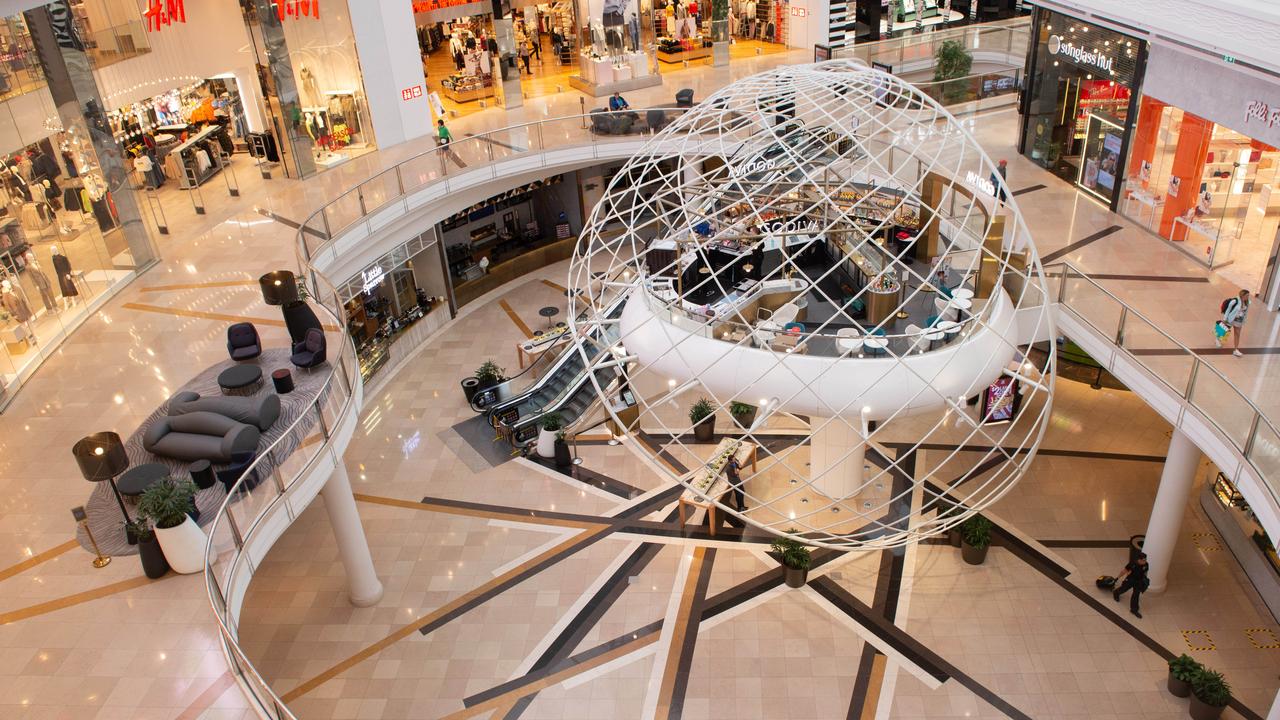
pixel 1079 55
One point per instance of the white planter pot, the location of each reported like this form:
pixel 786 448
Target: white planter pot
pixel 546 443
pixel 183 546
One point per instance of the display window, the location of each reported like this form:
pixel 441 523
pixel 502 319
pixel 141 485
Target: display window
pixel 1206 187
pixel 332 114
pixel 1076 119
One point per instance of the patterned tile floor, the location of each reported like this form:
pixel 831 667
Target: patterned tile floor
pixel 80 642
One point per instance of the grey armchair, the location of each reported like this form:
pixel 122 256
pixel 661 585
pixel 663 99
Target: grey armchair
pixel 684 98
pixel 310 352
pixel 243 342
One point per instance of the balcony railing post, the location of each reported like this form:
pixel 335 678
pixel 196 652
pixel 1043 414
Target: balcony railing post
pixel 235 531
pixel 324 426
pixel 1191 379
pixel 1253 434
pixel 360 197
pixel 1124 316
pixel 400 179
pixel 1062 285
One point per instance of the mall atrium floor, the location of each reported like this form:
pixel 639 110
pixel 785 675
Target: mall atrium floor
pixel 682 625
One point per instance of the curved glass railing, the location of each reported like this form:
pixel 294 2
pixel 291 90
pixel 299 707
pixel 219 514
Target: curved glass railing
pixel 1239 419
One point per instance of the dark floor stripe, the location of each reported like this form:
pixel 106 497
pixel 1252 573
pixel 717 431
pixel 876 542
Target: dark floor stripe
pixel 1084 543
pixel 932 663
pixel 1150 278
pixel 685 661
pixel 1045 260
pixel 291 223
pixel 1226 350
pixel 515 513
pixel 490 140
pixel 1048 452
pixel 661 451
pixel 1026 190
pixel 1035 561
pixel 606 483
pixel 862 682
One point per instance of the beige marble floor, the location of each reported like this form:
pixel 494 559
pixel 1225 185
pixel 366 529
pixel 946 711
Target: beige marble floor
pixel 126 649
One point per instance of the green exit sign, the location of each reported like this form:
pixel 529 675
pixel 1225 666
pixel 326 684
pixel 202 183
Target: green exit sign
pixel 1228 58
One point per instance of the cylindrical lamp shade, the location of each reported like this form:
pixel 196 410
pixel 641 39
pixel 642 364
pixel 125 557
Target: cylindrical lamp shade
pixel 279 287
pixel 101 456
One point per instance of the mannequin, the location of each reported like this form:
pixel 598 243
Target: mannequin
pixel 66 283
pixel 308 89
pixel 36 273
pixel 15 305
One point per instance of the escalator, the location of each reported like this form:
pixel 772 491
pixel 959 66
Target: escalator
pixel 576 400
pixel 509 404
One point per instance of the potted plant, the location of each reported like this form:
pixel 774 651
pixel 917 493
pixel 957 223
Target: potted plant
pixel 952 61
pixel 166 505
pixel 703 417
pixel 743 414
pixel 975 539
pixel 563 458
pixel 548 429
pixel 1182 671
pixel 153 562
pixel 951 510
pixel 795 559
pixel 1210 693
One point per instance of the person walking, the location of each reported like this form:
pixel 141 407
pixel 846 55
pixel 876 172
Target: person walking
pixel 1234 312
pixel 1134 578
pixel 999 183
pixel 524 57
pixel 735 484
pixel 443 133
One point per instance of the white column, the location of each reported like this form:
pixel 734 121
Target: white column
pixel 1180 465
pixel 1274 714
pixel 250 97
pixel 837 456
pixel 391 62
pixel 364 587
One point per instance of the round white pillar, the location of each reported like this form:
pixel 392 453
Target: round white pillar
pixel 363 585
pixel 837 456
pixel 1179 474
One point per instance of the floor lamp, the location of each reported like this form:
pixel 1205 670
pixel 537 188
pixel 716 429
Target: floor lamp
pixel 101 456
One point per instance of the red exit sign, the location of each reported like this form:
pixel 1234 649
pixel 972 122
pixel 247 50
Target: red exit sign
pixel 411 93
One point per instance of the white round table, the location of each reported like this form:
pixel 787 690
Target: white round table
pixel 960 303
pixel 875 344
pixel 849 344
pixel 965 293
pixel 950 327
pixel 934 334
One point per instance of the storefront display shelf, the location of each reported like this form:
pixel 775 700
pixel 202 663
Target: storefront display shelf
pixel 1237 528
pixel 472 95
pixel 508 270
pixel 684 55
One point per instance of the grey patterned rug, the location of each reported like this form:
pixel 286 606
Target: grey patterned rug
pixel 103 511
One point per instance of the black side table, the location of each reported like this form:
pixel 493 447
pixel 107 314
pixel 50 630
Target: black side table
pixel 283 380
pixel 202 473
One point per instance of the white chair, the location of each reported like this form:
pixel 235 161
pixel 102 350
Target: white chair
pixel 944 308
pixel 916 338
pixel 848 340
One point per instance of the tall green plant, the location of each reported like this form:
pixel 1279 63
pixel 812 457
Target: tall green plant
pixel 951 61
pixel 700 411
pixel 490 372
pixel 976 532
pixel 1211 687
pixel 720 20
pixel 1185 668
pixel 552 422
pixel 167 502
pixel 794 553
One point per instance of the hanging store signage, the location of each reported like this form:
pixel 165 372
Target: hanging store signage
pixel 372 278
pixel 162 13
pixel 1257 110
pixel 411 93
pixel 755 166
pixel 980 182
pixel 790 226
pixel 1079 55
pixel 298 8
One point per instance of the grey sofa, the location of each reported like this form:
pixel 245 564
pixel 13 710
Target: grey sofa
pixel 259 410
pixel 200 435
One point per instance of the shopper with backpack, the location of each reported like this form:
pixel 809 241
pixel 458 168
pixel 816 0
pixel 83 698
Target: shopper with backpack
pixel 1234 311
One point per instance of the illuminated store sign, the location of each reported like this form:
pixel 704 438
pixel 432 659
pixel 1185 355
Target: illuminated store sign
pixel 372 278
pixel 789 227
pixel 755 166
pixel 160 13
pixel 980 182
pixel 1259 110
pixel 1079 55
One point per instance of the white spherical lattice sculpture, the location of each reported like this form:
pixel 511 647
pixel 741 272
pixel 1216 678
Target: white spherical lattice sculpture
pixel 826 256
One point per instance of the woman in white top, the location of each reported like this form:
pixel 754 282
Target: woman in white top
pixel 1234 316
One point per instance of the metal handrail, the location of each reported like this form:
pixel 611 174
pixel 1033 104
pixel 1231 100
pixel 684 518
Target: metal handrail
pixel 1199 365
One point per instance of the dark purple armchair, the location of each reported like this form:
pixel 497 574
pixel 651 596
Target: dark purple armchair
pixel 243 342
pixel 310 352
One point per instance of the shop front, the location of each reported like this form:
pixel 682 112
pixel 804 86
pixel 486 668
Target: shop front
pixel 617 43
pixel 1202 172
pixel 396 302
pixel 1243 536
pixel 1080 101
pixel 459 53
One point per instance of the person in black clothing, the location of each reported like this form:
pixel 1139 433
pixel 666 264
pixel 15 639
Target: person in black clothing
pixel 1135 578
pixel 735 484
